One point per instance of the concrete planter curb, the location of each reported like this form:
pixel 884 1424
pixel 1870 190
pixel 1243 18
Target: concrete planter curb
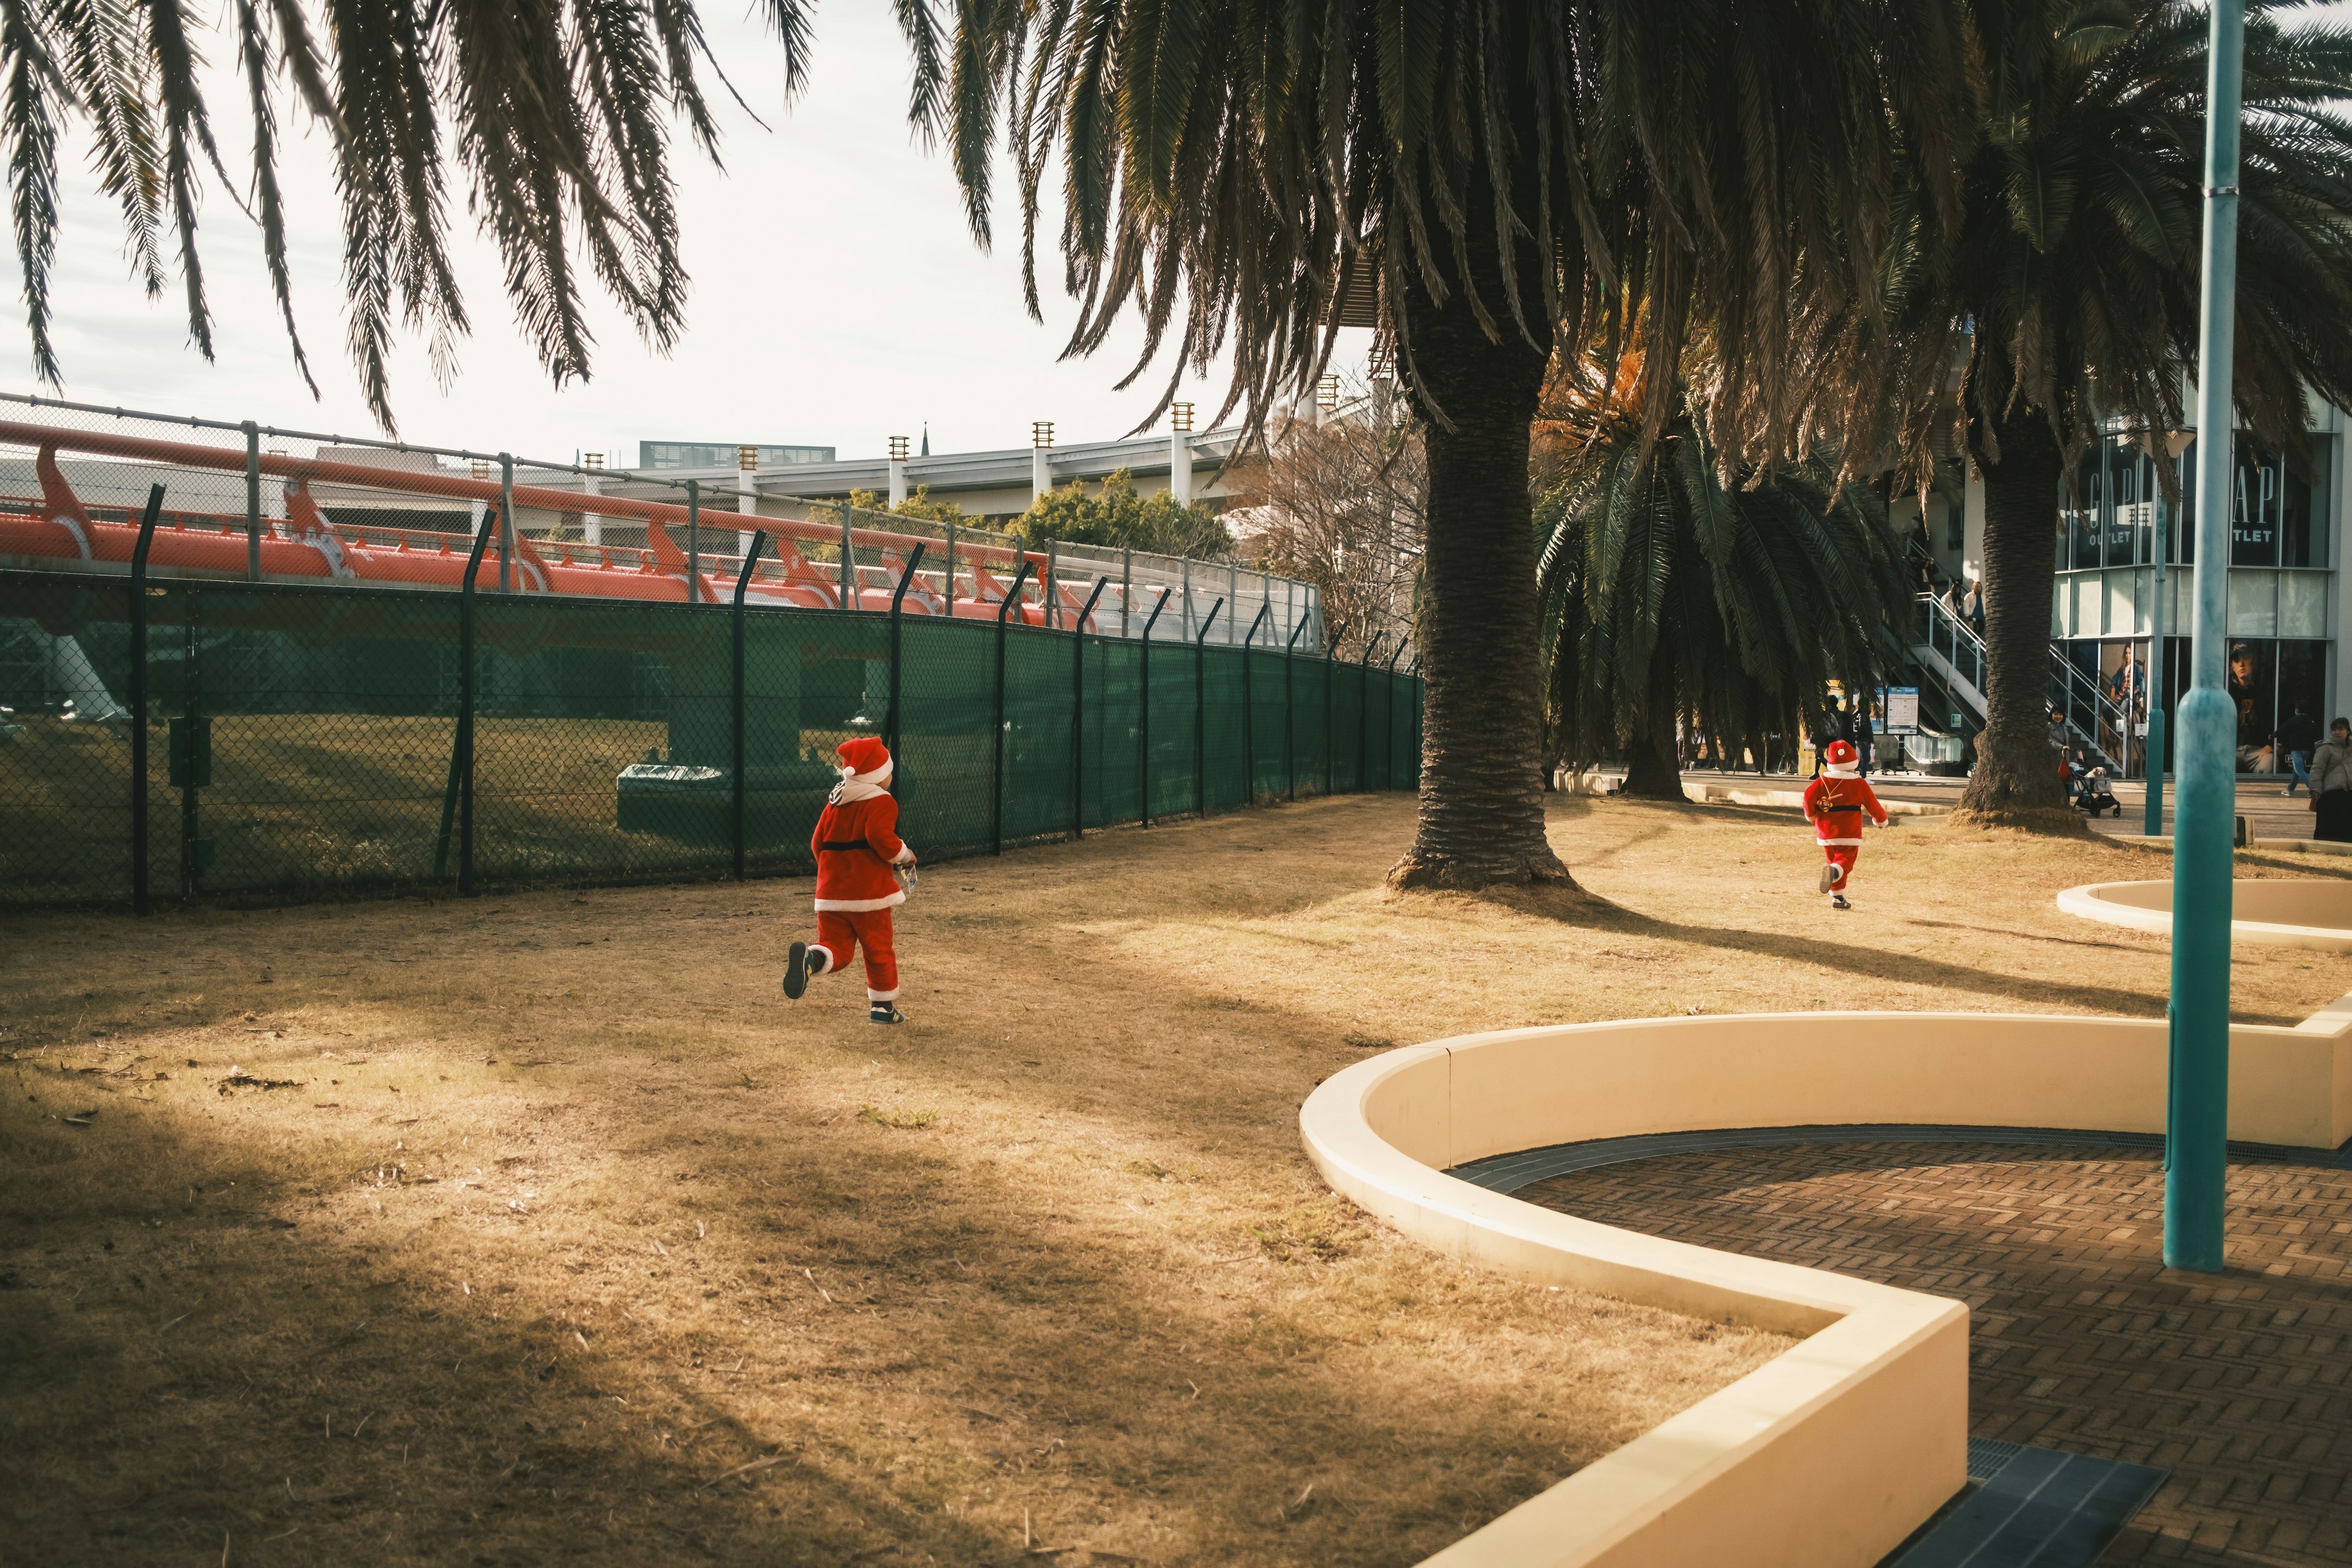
pixel 2278 911
pixel 1830 1455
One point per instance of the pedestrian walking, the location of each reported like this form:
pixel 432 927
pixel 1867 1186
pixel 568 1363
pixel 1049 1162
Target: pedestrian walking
pixel 2331 785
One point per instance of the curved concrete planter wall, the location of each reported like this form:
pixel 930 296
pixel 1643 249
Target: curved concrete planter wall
pixel 2290 912
pixel 1830 1454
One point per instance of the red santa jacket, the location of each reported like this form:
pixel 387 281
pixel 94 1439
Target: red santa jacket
pixel 856 844
pixel 1834 805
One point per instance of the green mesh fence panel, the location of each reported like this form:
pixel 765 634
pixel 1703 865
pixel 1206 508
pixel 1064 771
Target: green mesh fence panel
pixel 1166 736
pixel 1110 771
pixel 1038 757
pixel 1268 771
pixel 65 771
pixel 304 738
pixel 1224 727
pixel 947 730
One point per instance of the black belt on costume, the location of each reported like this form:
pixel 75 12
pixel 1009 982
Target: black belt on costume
pixel 848 844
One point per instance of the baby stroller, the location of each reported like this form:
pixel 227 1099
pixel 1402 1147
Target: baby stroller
pixel 2096 796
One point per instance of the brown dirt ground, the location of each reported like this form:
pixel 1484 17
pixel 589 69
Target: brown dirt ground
pixel 566 1239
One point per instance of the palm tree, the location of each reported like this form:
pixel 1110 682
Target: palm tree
pixel 557 115
pixel 2068 289
pixel 1671 598
pixel 1241 175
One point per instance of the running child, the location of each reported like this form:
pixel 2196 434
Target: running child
pixel 1835 803
pixel 859 862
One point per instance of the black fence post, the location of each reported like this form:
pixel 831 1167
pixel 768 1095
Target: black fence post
pixel 742 583
pixel 1200 710
pixel 1143 728
pixel 457 799
pixel 1249 708
pixel 996 777
pixel 1414 676
pixel 252 501
pixel 693 542
pixel 890 716
pixel 1364 714
pixel 1330 754
pixel 1387 719
pixel 192 750
pixel 1078 712
pixel 1289 713
pixel 138 698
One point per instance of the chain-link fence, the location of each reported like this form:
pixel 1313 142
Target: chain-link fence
pixel 173 737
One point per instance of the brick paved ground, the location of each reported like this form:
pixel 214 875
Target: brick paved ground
pixel 2239 1384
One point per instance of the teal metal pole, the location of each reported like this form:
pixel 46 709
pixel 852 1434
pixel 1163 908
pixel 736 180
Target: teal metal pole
pixel 2152 688
pixel 2198 1118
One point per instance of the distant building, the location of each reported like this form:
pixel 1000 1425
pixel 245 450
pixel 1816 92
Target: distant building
pixel 654 455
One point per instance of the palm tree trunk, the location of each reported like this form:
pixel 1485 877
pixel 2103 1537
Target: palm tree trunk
pixel 1481 812
pixel 2016 777
pixel 1654 762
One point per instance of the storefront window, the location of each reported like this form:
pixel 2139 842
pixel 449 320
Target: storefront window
pixel 2278 508
pixel 2269 679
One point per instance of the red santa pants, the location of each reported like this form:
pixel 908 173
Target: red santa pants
pixel 842 932
pixel 1842 857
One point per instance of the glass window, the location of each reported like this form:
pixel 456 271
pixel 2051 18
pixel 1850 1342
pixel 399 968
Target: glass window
pixel 2078 504
pixel 2302 518
pixel 2253 688
pixel 2184 518
pixel 2302 687
pixel 2254 506
pixel 2123 618
pixel 2122 519
pixel 2254 604
pixel 2303 605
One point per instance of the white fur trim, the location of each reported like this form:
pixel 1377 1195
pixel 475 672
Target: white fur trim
pixel 867 906
pixel 1842 770
pixel 1850 842
pixel 905 857
pixel 821 959
pixel 874 996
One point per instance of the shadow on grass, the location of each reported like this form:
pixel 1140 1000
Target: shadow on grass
pixel 203 1347
pixel 1575 906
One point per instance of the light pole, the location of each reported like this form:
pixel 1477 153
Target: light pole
pixel 2166 451
pixel 2197 1123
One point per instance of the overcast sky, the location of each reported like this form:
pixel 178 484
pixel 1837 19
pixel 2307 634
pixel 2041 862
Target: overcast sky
pixel 838 299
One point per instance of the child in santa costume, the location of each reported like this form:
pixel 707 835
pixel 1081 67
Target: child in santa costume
pixel 1835 803
pixel 860 858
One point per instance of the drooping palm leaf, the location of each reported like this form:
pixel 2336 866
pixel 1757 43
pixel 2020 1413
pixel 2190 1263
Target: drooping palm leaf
pixel 556 113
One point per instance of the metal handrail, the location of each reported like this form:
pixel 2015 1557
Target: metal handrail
pixel 2090 713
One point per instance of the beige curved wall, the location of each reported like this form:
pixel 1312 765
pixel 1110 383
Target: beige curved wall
pixel 1830 1454
pixel 2288 911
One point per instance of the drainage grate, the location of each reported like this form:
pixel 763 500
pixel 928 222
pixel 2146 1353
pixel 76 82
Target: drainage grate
pixel 2031 1508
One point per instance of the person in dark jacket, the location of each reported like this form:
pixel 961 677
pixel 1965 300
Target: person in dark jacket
pixel 2298 735
pixel 2331 784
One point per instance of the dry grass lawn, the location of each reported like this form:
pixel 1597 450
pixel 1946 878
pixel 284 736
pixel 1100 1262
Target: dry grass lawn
pixel 537 1229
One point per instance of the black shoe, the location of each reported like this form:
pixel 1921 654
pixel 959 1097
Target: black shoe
pixel 796 971
pixel 1837 901
pixel 885 1013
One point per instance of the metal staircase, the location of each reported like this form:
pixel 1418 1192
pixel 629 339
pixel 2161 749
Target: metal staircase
pixel 1955 655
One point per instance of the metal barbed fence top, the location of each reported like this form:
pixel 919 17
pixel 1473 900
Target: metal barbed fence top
pixel 857 541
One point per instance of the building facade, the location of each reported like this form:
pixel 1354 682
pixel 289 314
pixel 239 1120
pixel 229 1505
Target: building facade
pixel 2286 623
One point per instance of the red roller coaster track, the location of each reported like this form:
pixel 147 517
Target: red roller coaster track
pixel 57 526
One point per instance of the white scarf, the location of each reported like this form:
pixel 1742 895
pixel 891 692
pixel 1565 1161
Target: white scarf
pixel 855 786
